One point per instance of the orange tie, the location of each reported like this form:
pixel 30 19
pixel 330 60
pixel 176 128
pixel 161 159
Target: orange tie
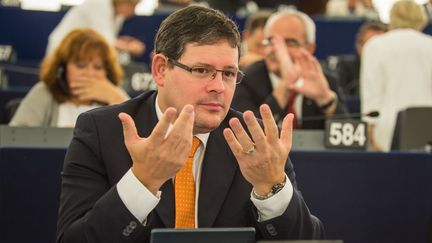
pixel 184 185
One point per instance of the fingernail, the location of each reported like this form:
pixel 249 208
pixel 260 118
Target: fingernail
pixel 189 108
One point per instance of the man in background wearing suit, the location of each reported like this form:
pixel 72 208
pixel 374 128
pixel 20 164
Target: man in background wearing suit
pixel 122 178
pixel 290 79
pixel 347 67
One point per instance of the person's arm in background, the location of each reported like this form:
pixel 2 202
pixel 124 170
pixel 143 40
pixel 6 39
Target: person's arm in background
pixel 74 18
pixel 313 84
pixel 131 45
pixel 254 90
pixel 96 15
pixel 35 109
pixel 340 103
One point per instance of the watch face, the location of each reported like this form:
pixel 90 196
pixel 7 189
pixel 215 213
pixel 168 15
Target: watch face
pixel 276 188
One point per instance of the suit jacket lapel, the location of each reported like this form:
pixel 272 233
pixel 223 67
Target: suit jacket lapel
pixel 264 84
pixel 260 82
pixel 218 170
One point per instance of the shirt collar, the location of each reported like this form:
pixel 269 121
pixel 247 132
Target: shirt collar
pixel 274 79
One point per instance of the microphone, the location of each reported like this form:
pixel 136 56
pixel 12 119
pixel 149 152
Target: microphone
pixel 341 116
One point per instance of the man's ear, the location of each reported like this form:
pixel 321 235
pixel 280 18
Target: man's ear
pixel 159 68
pixel 311 48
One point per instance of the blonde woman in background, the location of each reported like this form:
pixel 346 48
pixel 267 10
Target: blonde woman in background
pixel 396 71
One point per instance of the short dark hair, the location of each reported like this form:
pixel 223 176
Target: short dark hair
pixel 194 24
pixel 257 21
pixel 368 26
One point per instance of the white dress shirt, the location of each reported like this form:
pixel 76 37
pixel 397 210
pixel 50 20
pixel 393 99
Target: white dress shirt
pixel 69 112
pixel 396 73
pixel 140 201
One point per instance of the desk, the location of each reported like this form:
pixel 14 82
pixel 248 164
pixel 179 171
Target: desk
pixel 368 197
pixel 360 197
pixel 29 194
pixel 54 137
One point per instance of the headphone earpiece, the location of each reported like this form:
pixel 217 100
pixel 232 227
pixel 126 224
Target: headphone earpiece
pixel 60 74
pixel 61 79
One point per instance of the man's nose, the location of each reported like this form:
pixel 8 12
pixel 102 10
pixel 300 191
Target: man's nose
pixel 216 83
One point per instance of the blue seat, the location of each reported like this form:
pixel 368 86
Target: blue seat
pixel 6 95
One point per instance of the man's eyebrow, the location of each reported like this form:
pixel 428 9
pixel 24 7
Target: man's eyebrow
pixel 201 64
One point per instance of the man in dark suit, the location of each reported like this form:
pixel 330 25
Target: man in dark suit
pixel 122 178
pixel 347 67
pixel 290 78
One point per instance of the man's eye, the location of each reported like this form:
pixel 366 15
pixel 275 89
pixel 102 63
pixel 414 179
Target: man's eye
pixel 292 43
pixel 229 74
pixel 200 70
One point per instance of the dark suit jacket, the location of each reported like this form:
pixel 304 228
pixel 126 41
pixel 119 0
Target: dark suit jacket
pixel 348 71
pixel 92 211
pixel 256 89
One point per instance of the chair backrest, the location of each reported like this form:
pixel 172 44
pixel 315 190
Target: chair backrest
pixel 11 107
pixel 413 129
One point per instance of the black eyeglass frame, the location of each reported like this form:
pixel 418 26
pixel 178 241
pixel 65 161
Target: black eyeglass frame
pixel 239 75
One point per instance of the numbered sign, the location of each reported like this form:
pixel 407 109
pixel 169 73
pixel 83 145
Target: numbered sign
pixel 346 134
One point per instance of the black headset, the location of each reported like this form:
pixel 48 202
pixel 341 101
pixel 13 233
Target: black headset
pixel 61 79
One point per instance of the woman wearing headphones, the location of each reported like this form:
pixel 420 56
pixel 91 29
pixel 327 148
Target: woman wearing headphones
pixel 81 74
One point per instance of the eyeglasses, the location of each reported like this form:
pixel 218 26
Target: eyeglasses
pixel 199 72
pixel 290 42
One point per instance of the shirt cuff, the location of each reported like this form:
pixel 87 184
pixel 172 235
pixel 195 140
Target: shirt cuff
pixel 275 205
pixel 136 197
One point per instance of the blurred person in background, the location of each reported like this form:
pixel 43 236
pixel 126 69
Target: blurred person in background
pixel 360 8
pixel 81 74
pixel 104 16
pixel 177 2
pixel 312 7
pixel 428 8
pixel 237 7
pixel 253 37
pixel 290 79
pixel 396 71
pixel 347 67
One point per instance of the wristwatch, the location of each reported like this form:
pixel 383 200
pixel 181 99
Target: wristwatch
pixel 328 104
pixel 275 189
